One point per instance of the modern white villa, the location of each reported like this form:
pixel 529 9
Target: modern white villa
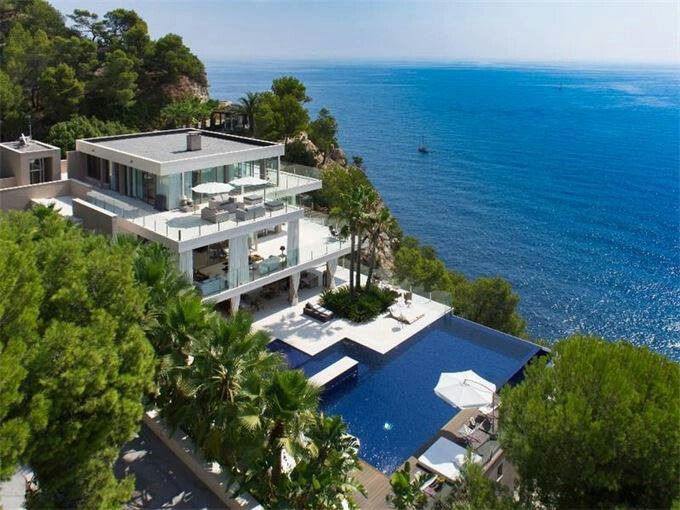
pixel 244 230
pixel 234 215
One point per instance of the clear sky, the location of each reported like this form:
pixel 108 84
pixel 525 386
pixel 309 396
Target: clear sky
pixel 639 31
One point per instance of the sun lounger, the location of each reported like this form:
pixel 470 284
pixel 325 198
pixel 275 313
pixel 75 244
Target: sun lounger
pixel 317 312
pixel 405 314
pixel 446 458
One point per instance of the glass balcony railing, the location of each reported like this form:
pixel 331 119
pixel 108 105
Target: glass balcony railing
pixel 269 266
pixel 289 182
pixel 301 170
pixel 180 226
pixel 183 226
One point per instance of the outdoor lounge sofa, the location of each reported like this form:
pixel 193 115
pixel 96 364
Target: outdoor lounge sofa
pixel 252 199
pixel 317 312
pixel 219 210
pixel 446 458
pixel 273 205
pixel 250 212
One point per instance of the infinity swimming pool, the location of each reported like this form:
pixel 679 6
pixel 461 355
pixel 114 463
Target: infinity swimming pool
pixel 391 406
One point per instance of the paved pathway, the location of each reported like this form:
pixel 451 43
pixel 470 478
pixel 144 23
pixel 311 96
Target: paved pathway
pixel 162 481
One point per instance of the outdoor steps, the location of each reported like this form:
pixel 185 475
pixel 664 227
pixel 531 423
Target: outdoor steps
pixel 341 370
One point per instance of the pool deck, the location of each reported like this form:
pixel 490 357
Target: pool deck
pixel 377 483
pixel 288 324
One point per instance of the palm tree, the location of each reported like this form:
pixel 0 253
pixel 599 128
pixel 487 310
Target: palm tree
pixel 406 493
pixel 290 403
pixel 381 230
pixel 349 212
pixel 327 475
pixel 155 267
pixel 369 202
pixel 225 387
pixel 248 106
pixel 184 319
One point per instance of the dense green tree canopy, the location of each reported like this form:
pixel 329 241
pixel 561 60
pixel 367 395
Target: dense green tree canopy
pixel 280 117
pixel 126 75
pixel 81 359
pixel 11 104
pixel 20 296
pixel 114 88
pixel 489 301
pixel 77 53
pixel 64 134
pixel 597 428
pixel 323 131
pixel 62 92
pixel 190 112
pixel 290 86
pixel 171 59
pixel 26 55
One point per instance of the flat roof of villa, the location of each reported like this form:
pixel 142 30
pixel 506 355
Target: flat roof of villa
pixel 169 146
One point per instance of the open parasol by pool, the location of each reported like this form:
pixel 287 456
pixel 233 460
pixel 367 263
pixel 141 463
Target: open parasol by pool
pixel 465 389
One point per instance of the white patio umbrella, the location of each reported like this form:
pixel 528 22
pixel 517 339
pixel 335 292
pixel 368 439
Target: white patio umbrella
pixel 249 180
pixel 465 389
pixel 212 188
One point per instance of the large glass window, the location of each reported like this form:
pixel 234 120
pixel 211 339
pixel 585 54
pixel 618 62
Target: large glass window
pixel 140 185
pixel 170 186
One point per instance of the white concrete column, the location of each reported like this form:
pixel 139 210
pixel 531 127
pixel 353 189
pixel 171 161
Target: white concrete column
pixel 235 302
pixel 238 261
pixel 186 264
pixel 293 242
pixel 294 285
pixel 331 267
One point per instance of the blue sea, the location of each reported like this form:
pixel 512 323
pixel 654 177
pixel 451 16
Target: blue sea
pixel 565 181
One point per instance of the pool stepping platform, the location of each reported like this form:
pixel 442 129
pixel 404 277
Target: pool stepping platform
pixel 338 372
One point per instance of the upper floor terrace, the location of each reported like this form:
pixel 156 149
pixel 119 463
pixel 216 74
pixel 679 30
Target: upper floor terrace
pixel 182 230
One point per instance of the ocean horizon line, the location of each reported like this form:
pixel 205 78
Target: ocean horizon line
pixel 453 63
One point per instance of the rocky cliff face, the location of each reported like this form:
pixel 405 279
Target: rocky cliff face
pixel 336 156
pixel 185 87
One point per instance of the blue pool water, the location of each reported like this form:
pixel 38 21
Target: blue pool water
pixel 391 406
pixel 566 181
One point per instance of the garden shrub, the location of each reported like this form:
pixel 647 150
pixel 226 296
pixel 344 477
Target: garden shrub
pixel 362 306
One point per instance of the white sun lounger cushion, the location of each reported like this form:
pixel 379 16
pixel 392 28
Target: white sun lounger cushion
pixel 443 458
